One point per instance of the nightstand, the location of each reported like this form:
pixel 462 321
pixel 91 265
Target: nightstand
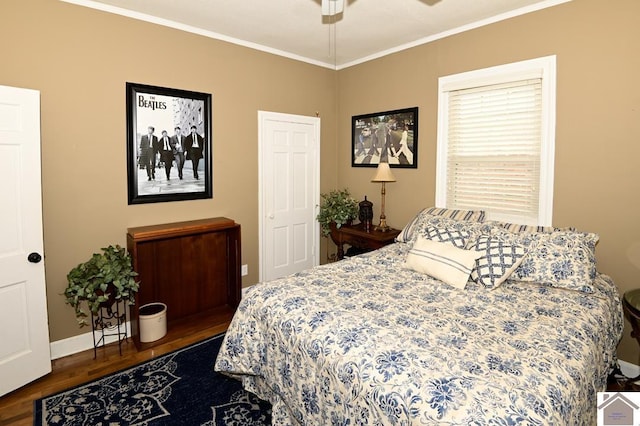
pixel 357 237
pixel 631 307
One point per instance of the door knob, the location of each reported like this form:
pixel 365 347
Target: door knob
pixel 271 216
pixel 34 257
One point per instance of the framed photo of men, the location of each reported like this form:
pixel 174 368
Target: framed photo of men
pixel 385 137
pixel 169 155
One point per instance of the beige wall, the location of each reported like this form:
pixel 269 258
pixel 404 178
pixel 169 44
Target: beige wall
pixel 597 177
pixel 80 60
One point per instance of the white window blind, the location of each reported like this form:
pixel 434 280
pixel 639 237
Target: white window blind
pixel 496 143
pixel 494 148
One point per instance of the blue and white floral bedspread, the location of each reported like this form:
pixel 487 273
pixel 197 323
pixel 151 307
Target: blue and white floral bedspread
pixel 367 342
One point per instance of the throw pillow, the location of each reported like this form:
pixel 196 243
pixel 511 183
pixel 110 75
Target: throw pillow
pixel 442 261
pixel 498 259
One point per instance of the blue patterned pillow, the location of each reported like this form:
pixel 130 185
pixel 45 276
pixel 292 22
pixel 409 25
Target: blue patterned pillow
pixel 457 237
pixel 518 228
pixel 498 260
pixel 446 230
pixel 561 259
pixel 408 232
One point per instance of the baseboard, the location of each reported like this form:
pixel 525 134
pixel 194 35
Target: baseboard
pixel 81 342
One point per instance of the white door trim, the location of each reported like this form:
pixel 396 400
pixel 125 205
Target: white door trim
pixel 264 116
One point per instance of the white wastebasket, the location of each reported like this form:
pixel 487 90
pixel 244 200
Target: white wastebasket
pixel 152 321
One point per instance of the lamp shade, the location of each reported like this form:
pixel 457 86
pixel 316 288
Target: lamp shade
pixel 383 174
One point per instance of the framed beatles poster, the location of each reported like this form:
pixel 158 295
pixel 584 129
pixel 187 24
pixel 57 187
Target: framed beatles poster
pixel 385 137
pixel 168 144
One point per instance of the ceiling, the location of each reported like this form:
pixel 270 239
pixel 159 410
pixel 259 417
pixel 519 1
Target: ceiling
pixel 367 29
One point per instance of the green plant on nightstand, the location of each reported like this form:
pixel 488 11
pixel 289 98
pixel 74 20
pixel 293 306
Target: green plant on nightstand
pixel 104 279
pixel 337 207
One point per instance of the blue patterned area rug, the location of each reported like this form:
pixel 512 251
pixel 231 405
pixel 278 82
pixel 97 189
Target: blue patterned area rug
pixel 179 388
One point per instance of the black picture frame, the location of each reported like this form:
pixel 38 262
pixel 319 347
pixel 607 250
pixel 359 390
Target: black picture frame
pixel 164 109
pixel 380 137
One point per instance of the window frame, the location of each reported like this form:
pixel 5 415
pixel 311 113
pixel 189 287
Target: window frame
pixel 544 68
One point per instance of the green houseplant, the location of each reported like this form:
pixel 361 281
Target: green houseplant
pixel 338 207
pixel 105 278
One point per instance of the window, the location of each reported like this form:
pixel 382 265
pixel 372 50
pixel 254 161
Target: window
pixel 496 140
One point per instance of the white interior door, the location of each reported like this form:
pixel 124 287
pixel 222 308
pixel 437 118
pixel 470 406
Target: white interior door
pixel 24 332
pixel 289 193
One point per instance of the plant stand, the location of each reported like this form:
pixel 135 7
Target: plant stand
pixel 109 322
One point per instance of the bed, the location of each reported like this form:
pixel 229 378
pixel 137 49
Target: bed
pixel 400 336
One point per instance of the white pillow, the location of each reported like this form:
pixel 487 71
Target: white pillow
pixel 443 261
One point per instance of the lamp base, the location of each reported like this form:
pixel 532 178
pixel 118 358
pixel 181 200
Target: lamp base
pixel 382 227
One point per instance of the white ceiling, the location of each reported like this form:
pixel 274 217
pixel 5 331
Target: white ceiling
pixel 367 29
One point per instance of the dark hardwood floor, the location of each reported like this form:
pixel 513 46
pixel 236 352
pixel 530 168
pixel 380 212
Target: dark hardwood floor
pixel 16 408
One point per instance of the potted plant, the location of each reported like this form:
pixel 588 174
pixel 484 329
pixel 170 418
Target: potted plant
pixel 104 279
pixel 337 208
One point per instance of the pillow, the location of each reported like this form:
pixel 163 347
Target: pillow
pixel 407 232
pixel 498 259
pixel 443 261
pixel 561 259
pixel 441 229
pixel 518 228
pixel 457 237
pixel 457 214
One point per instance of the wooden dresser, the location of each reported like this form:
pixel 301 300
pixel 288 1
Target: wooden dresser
pixel 193 267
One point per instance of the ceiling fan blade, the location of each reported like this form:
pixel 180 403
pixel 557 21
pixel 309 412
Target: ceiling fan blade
pixel 332 7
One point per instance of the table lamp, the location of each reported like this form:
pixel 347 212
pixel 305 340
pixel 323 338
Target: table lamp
pixel 384 175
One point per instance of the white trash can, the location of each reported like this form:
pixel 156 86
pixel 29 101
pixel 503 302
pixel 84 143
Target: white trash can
pixel 152 321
